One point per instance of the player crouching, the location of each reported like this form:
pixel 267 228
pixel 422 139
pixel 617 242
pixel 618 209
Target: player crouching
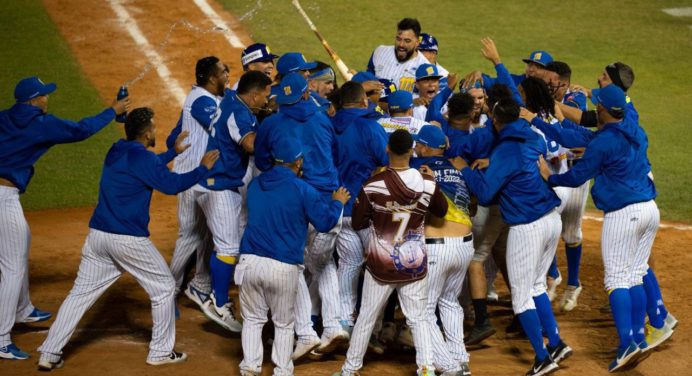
pixel 280 206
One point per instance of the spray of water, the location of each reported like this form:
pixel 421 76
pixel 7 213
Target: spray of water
pixel 252 11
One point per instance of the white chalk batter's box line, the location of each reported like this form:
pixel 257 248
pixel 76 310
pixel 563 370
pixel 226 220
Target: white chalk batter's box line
pixel 662 225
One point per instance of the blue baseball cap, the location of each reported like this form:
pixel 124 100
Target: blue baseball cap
pixel 389 88
pixel 427 71
pixel 256 52
pixel 539 57
pixel 293 61
pixel 431 136
pixel 287 150
pixel 291 88
pixel 611 97
pixel 364 76
pixel 427 43
pixel 400 101
pixel 32 87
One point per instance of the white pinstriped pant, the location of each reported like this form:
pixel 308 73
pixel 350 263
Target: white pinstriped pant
pixel 572 213
pixel 15 304
pixel 530 251
pixel 447 266
pixel 267 285
pixel 349 247
pixel 626 241
pixel 413 299
pixel 104 258
pixel 193 235
pixel 222 210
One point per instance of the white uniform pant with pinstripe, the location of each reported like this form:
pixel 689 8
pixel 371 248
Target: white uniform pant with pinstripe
pixel 222 210
pixel 193 235
pixel 447 266
pixel 413 299
pixel 530 251
pixel 267 285
pixel 104 258
pixel 15 237
pixel 349 247
pixel 573 212
pixel 627 237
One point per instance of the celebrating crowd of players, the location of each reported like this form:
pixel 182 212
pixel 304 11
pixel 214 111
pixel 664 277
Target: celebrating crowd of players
pixel 289 184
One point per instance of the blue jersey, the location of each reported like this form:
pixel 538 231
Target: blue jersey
pixel 615 161
pixel 452 185
pixel 322 103
pixel 308 123
pixel 232 124
pixel 488 81
pixel 513 177
pixel 361 148
pixel 470 145
pixel 26 133
pixel 280 206
pixel 130 173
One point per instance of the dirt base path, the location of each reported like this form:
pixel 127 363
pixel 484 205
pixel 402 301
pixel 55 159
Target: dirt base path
pixel 112 338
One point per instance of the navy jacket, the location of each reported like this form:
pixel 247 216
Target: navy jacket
pixel 26 133
pixel 280 206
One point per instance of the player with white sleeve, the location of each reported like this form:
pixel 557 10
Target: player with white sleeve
pixel 430 49
pixel 281 205
pixel 398 63
pixel 400 105
pixel 427 87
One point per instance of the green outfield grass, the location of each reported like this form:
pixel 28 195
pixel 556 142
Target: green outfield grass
pixel 586 34
pixel 68 175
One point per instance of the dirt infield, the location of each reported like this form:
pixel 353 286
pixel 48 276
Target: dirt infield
pixel 113 337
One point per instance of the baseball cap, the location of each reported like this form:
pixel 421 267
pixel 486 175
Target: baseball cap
pixel 427 43
pixel 32 87
pixel 431 136
pixel 287 150
pixel 291 88
pixel 293 61
pixel 539 57
pixel 400 100
pixel 256 52
pixel 611 97
pixel 364 76
pixel 389 88
pixel 427 71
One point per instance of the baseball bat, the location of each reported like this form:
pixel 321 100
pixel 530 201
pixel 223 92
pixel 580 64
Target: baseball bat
pixel 340 65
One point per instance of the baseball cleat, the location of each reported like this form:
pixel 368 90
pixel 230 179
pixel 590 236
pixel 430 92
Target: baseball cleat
pixel 13 352
pixel 222 315
pixel 552 286
pixel 543 367
pixel 303 347
pixel 375 346
pixel 492 294
pixel 559 352
pixel 37 316
pixel 479 333
pixel 405 337
pixel 624 356
pixel 196 295
pixel 388 332
pixel 655 337
pixel 313 355
pixel 671 321
pixel 332 341
pixel 465 369
pixel 47 365
pixel 173 357
pixel 569 300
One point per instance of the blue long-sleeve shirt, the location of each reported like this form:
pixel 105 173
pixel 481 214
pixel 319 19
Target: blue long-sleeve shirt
pixel 26 133
pixel 514 177
pixel 361 147
pixel 470 145
pixel 130 174
pixel 615 163
pixel 280 206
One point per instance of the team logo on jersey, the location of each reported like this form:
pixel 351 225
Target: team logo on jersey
pixel 287 90
pixel 409 254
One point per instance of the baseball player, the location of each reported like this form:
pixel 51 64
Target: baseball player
pixel 361 148
pixel 233 134
pixel 400 105
pixel 528 206
pixel 427 87
pixel 274 241
pixel 429 48
pixel 26 133
pixel 118 239
pixel 196 116
pixel 398 63
pixel 373 89
pixel 392 205
pixel 293 62
pixel 450 249
pixel 257 57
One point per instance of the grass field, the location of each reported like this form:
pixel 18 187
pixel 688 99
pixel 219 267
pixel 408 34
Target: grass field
pixel 67 176
pixel 586 34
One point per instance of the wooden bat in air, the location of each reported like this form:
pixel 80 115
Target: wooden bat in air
pixel 340 65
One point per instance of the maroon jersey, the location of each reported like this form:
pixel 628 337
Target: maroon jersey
pixel 393 205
